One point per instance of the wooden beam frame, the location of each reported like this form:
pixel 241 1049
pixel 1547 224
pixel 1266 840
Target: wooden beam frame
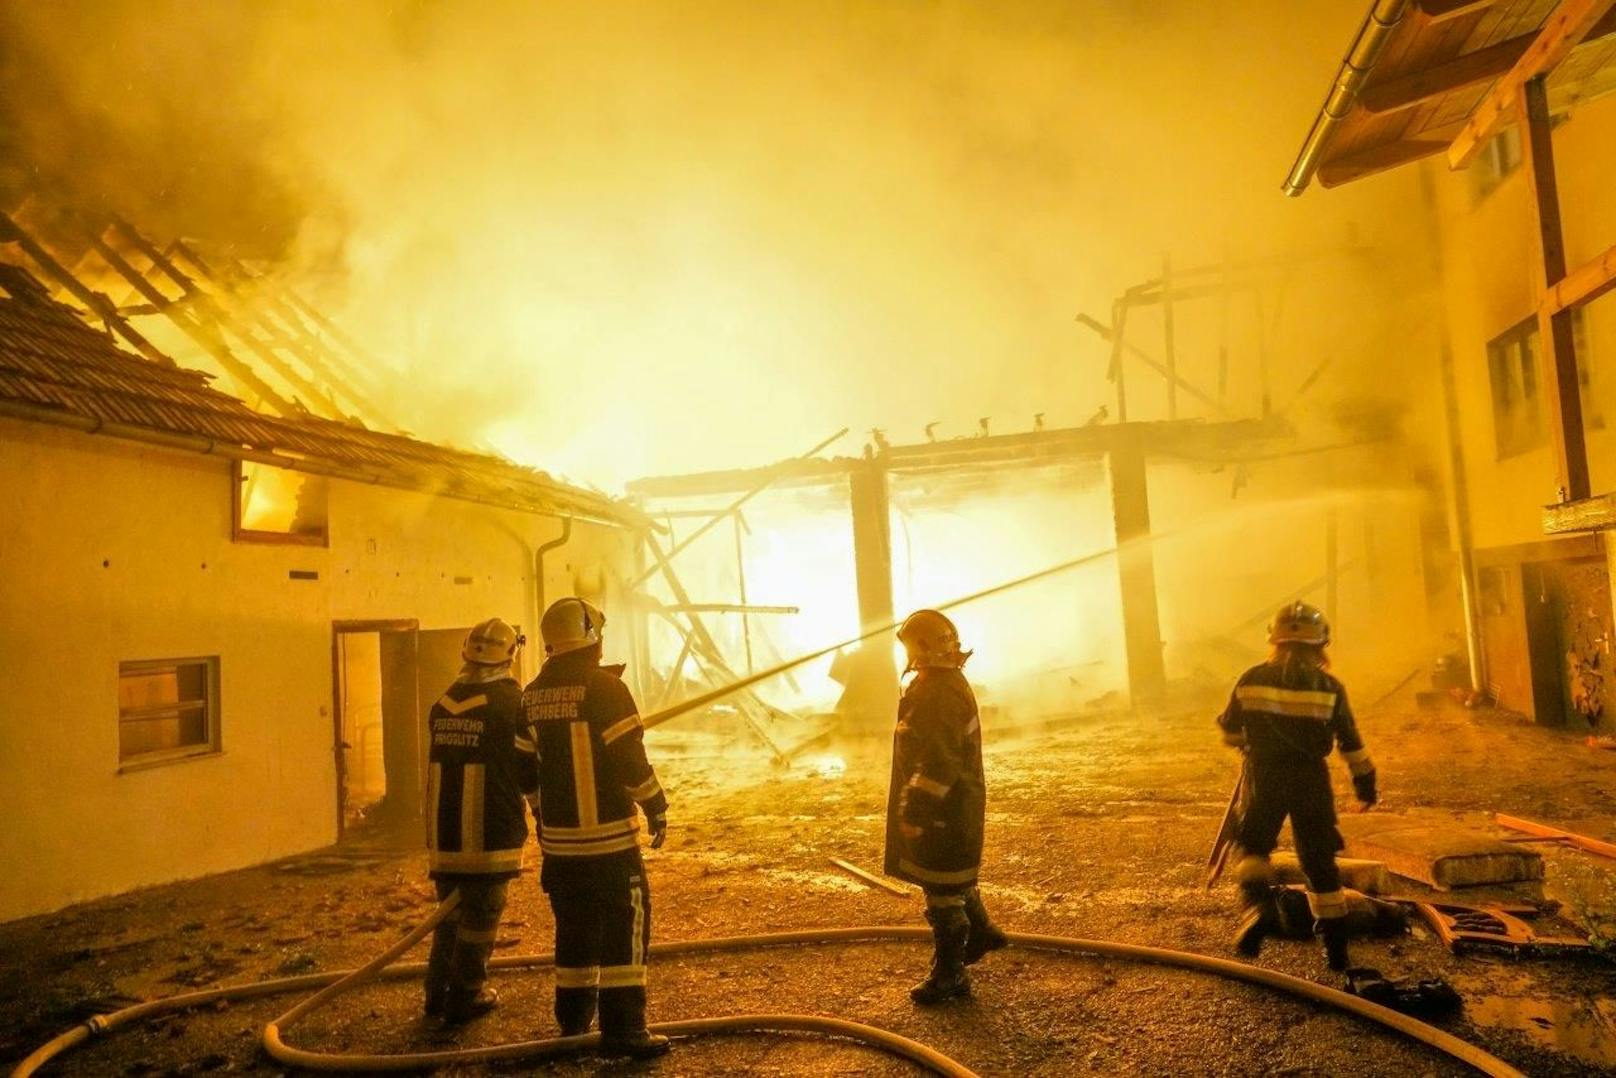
pixel 1376 157
pixel 1584 284
pixel 1557 350
pixel 1562 31
pixel 1396 92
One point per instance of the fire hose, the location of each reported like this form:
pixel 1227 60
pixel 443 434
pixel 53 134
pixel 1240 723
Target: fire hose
pixel 332 984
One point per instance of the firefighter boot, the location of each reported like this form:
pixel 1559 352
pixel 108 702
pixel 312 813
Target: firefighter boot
pixel 985 936
pixel 950 929
pixel 622 1025
pixel 464 1006
pixel 1333 930
pixel 1258 915
pixel 575 1010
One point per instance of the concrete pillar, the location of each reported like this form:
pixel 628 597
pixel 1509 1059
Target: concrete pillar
pixel 1136 571
pixel 871 686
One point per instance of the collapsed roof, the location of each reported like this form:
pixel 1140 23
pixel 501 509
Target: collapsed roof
pixel 54 368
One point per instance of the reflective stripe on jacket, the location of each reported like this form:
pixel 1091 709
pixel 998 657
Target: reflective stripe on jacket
pixel 481 764
pixel 592 764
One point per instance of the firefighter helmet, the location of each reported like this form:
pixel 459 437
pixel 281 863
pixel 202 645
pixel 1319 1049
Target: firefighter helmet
pixel 1299 623
pixel 930 639
pixel 491 643
pixel 571 624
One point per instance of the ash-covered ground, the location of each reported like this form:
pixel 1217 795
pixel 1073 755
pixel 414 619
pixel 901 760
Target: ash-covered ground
pixel 1098 827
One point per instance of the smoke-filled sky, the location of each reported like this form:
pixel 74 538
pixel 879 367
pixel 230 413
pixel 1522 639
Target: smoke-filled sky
pixel 618 239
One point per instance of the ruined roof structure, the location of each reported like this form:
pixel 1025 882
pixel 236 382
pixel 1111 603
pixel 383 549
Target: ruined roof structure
pixel 54 368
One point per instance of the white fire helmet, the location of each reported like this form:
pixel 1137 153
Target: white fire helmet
pixel 571 624
pixel 491 643
pixel 930 639
pixel 1299 623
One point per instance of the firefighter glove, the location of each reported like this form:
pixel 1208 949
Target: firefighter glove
pixel 659 830
pixel 1364 786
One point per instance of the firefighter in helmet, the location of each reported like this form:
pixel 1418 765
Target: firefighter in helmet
pixel 1286 715
pixel 482 763
pixel 592 773
pixel 937 803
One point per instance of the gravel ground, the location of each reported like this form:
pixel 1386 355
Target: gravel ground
pixel 1097 828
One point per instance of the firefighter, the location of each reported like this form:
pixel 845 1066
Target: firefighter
pixel 482 762
pixel 1286 715
pixel 592 774
pixel 937 802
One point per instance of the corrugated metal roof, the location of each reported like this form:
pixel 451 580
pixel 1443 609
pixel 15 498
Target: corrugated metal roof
pixel 50 357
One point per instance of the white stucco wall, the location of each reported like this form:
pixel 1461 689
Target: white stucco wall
pixel 113 551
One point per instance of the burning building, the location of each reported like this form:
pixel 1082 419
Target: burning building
pixel 328 332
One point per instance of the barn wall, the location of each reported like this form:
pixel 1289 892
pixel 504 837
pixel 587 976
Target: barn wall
pixel 119 552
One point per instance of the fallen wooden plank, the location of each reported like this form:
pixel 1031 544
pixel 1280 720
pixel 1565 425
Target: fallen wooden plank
pixel 1543 830
pixel 870 877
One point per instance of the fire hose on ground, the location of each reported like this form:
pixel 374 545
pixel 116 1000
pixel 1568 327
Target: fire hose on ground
pixel 332 984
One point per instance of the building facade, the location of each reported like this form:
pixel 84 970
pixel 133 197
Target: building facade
pixel 186 695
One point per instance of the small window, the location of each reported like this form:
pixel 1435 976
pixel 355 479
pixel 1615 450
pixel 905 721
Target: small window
pixel 1512 367
pixel 1499 157
pixel 275 505
pixel 1517 405
pixel 167 709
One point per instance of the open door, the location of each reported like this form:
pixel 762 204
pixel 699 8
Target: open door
pixel 378 744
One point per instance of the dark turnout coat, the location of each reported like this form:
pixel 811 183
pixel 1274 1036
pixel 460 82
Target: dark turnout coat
pixel 937 784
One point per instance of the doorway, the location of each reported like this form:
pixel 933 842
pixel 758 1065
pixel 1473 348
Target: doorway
pixel 376 721
pixel 386 674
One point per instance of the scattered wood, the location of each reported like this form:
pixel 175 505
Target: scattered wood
pixel 1544 831
pixel 870 878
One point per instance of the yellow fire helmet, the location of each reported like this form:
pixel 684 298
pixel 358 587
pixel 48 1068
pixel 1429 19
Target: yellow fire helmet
pixel 571 624
pixel 491 643
pixel 1299 623
pixel 930 639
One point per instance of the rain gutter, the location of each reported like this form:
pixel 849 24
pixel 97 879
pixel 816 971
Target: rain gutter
pixel 1383 18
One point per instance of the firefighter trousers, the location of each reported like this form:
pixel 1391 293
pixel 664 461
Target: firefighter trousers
pixel 602 934
pixel 1299 789
pixel 462 942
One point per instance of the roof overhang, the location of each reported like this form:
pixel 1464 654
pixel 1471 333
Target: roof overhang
pixel 1429 77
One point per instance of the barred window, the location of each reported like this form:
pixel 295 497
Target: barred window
pixel 167 709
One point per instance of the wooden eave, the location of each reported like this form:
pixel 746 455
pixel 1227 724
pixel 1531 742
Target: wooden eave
pixel 1441 65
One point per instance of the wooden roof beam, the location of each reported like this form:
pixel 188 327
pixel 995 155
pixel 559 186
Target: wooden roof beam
pixel 1483 65
pixel 1443 10
pixel 1584 284
pixel 1565 28
pixel 1376 157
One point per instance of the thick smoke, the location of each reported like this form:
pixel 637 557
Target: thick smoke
pixel 620 239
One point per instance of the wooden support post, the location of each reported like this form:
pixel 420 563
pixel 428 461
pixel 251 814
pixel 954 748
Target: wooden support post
pixel 1136 570
pixel 872 688
pixel 1170 355
pixel 1557 348
pixel 1119 322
